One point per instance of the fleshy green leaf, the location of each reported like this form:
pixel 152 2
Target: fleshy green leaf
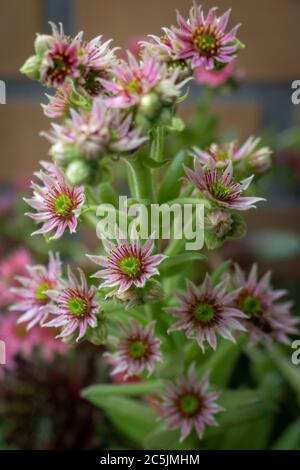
pixel 290 438
pixel 172 264
pixel 95 392
pixel 132 417
pixel 170 188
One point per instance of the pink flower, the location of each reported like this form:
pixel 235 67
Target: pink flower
pixel 57 204
pixel 14 264
pixel 134 80
pixel 249 152
pixel 267 319
pixel 60 61
pixel 219 186
pixel 59 104
pixel 138 349
pixel 75 306
pixel 97 61
pixel 206 312
pixel 188 404
pixel 204 40
pixel 96 133
pixel 127 263
pixel 214 78
pixel 18 341
pixel 32 298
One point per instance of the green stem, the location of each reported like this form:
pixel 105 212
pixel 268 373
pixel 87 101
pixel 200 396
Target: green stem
pixel 140 180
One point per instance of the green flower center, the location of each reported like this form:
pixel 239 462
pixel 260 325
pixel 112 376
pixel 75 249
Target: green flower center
pixel 251 305
pixel 78 306
pixel 63 205
pixel 189 404
pixel 137 349
pixel 219 190
pixel 206 43
pixel 130 266
pixel 221 155
pixel 133 86
pixel 204 313
pixel 40 292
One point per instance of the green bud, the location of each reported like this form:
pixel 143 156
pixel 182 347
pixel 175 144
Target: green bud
pixel 42 43
pixel 153 292
pixel 31 68
pixel 150 105
pixel 98 335
pixel 78 172
pixel 165 118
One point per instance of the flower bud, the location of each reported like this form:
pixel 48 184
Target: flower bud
pixel 62 153
pixel 98 335
pixel 260 161
pixel 168 90
pixel 153 292
pixel 150 105
pixel 31 68
pixel 131 298
pixel 42 43
pixel 78 172
pixel 219 222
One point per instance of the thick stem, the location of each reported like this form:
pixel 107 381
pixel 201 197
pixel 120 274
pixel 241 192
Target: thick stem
pixel 140 180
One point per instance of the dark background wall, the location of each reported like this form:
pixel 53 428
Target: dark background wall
pixel 270 29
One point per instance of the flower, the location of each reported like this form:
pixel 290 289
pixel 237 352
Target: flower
pixel 206 312
pixel 59 104
pixel 188 404
pixel 96 133
pixel 127 263
pixel 218 186
pixel 135 80
pixel 75 306
pixel 267 319
pixel 60 60
pixel 32 298
pixel 204 40
pixel 214 78
pixel 18 341
pixel 138 349
pixel 57 204
pixel 165 49
pixel 15 263
pixel 257 158
pixel 97 61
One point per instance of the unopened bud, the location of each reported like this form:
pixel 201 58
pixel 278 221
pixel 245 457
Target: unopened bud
pixel 98 335
pixel 31 68
pixel 219 222
pixel 62 153
pixel 153 292
pixel 150 105
pixel 42 43
pixel 78 172
pixel 260 161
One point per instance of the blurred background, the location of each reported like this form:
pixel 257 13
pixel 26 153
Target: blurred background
pixel 259 104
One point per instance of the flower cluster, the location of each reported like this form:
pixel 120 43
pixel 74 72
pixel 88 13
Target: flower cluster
pixel 93 134
pixel 60 58
pixel 250 155
pixel 198 41
pixel 114 109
